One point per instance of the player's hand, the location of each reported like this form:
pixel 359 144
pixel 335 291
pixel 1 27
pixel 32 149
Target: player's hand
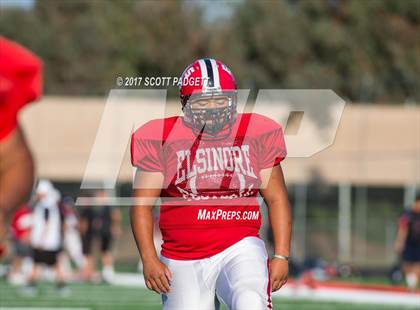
pixel 157 276
pixel 279 271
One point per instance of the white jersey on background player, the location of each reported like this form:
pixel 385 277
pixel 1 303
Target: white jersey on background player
pixel 46 229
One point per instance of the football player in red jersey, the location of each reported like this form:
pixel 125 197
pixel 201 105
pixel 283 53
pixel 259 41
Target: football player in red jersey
pixel 208 167
pixel 20 83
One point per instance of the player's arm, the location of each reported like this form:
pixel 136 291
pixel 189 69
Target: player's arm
pixel 16 171
pixel 401 234
pixel 147 188
pixel 82 224
pixel 116 222
pixel 274 192
pixel 16 176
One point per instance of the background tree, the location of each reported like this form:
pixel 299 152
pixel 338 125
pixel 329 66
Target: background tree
pixel 363 50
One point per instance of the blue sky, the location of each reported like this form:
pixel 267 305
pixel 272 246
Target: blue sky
pixel 17 3
pixel 213 9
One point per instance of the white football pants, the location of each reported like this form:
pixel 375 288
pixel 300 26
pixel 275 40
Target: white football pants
pixel 237 277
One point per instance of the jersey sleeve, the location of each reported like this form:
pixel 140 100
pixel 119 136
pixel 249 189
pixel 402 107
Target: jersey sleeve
pixel 272 148
pixel 20 82
pixel 146 153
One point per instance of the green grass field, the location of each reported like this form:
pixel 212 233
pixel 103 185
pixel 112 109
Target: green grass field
pixel 101 296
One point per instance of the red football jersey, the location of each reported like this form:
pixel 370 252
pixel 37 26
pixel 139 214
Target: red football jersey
pixel 20 82
pixel 21 223
pixel 209 196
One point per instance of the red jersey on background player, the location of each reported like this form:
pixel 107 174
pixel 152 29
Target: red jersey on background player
pixel 208 168
pixel 20 229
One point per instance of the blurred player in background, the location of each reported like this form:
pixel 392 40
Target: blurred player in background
pixel 407 244
pixel 99 222
pixel 72 240
pixel 47 233
pixel 21 227
pixel 20 83
pixel 208 168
